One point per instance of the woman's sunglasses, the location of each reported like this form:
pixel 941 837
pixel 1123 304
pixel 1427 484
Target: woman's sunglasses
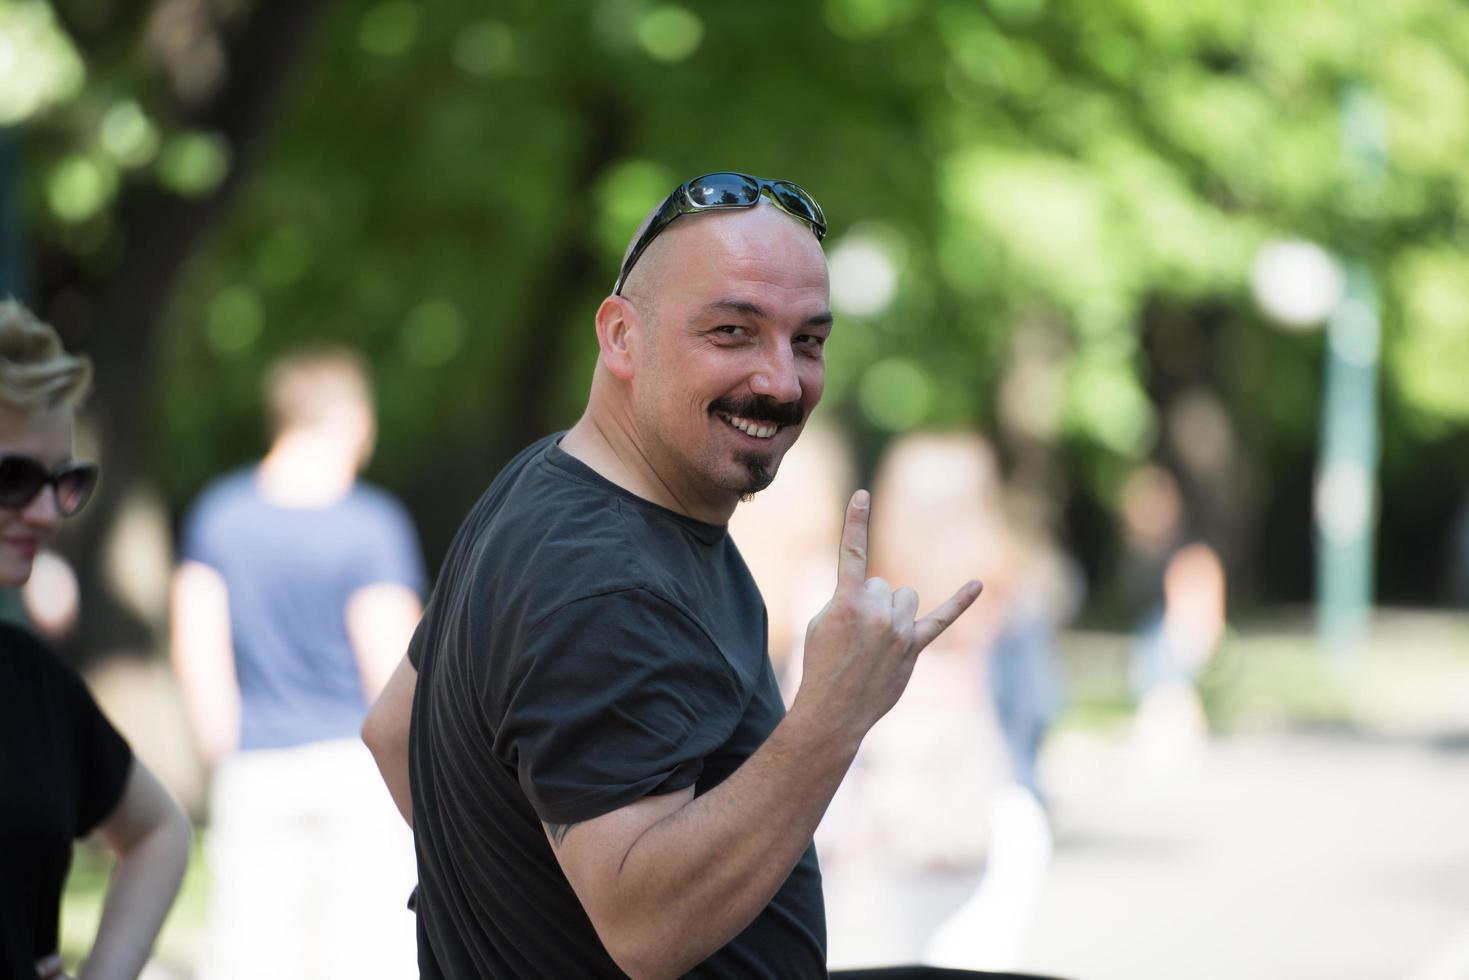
pixel 715 192
pixel 22 478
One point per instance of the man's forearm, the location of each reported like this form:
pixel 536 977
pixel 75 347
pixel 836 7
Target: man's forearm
pixel 392 764
pixel 668 881
pixel 695 879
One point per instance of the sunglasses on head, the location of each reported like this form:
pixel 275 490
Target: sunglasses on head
pixel 716 192
pixel 22 478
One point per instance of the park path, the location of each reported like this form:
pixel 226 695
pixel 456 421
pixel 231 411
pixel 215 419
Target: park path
pixel 1321 856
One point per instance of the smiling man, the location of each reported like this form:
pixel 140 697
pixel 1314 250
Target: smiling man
pixel 603 777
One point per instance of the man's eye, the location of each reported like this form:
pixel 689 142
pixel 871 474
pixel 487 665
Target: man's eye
pixel 811 340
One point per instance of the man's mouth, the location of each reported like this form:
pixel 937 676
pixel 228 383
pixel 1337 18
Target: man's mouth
pixel 757 430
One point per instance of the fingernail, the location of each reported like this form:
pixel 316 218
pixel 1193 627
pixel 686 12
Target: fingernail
pixel 861 499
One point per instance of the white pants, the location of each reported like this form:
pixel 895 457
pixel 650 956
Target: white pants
pixel 312 868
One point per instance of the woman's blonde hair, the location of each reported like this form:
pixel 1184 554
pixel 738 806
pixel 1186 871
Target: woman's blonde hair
pixel 36 372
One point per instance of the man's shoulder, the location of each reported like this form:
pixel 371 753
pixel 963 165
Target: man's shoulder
pixel 236 486
pixel 550 532
pixel 545 515
pixel 223 499
pixel 368 497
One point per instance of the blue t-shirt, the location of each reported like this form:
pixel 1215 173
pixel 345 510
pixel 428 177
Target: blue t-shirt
pixel 290 573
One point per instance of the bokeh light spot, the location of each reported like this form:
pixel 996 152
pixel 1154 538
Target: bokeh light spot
pixel 79 187
pixel 484 48
pixel 193 164
pixel 128 136
pixel 434 332
pixel 625 192
pixel 236 320
pixel 864 274
pixel 895 394
pixel 858 20
pixel 388 29
pixel 670 33
pixel 38 64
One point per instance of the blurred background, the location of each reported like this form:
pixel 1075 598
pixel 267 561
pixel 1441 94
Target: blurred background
pixel 1180 293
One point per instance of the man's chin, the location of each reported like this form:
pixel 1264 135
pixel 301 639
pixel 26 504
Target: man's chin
pixel 759 471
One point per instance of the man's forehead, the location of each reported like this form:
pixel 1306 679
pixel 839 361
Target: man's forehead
pixel 761 311
pixel 729 253
pixel 762 240
pixel 765 219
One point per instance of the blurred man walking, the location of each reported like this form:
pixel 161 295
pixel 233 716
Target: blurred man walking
pixel 296 594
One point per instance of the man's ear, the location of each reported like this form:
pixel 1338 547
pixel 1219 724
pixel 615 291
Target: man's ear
pixel 619 329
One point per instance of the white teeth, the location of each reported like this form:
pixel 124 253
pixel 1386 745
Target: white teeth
pixel 751 428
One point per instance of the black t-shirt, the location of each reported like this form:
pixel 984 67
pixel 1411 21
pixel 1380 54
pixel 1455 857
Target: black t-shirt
pixel 583 648
pixel 63 769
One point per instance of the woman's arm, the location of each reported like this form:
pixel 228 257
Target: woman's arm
pixel 150 835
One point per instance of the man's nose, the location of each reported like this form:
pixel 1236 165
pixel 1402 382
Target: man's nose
pixel 776 377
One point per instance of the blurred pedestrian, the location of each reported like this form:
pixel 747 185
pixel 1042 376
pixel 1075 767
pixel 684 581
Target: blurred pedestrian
pixel 1170 654
pixel 65 772
pixel 296 593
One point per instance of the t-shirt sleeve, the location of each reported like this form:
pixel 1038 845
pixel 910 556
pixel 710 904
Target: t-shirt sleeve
pixel 101 758
pixel 618 697
pixel 195 538
pixel 390 554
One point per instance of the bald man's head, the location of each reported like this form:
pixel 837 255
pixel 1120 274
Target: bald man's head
pixel 665 260
pixel 713 353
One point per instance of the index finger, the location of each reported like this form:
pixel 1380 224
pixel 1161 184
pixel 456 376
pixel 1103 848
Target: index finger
pixel 852 558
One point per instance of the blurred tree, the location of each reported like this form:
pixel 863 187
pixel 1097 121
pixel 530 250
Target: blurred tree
pixel 159 113
pixel 1044 217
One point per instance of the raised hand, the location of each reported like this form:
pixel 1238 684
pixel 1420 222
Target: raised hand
pixel 861 648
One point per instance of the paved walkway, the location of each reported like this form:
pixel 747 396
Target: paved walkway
pixel 1306 857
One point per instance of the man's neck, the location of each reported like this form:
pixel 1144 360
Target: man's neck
pixel 301 471
pixel 614 452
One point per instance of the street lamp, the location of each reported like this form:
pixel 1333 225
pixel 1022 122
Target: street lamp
pixel 1299 285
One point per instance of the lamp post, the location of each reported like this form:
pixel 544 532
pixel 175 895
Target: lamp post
pixel 1346 474
pixel 1346 490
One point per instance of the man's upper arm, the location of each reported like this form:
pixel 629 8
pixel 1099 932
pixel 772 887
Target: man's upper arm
pixel 592 853
pixel 384 602
pixel 201 607
pixel 618 697
pixel 203 657
pixel 380 621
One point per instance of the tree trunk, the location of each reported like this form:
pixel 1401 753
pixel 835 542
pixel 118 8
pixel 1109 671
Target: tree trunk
pixel 115 315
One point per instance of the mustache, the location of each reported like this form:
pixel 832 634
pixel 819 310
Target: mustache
pixel 761 408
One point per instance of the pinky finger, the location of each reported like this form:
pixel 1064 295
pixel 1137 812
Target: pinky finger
pixel 930 627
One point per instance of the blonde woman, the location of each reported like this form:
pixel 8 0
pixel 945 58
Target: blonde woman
pixel 64 770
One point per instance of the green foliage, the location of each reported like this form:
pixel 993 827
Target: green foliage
pixel 451 189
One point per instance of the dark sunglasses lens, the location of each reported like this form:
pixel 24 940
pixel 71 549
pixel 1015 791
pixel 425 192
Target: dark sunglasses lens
pixel 21 479
pixel 74 489
pixel 795 200
pixel 714 190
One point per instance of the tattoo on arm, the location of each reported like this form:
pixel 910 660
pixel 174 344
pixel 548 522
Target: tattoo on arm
pixel 557 831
